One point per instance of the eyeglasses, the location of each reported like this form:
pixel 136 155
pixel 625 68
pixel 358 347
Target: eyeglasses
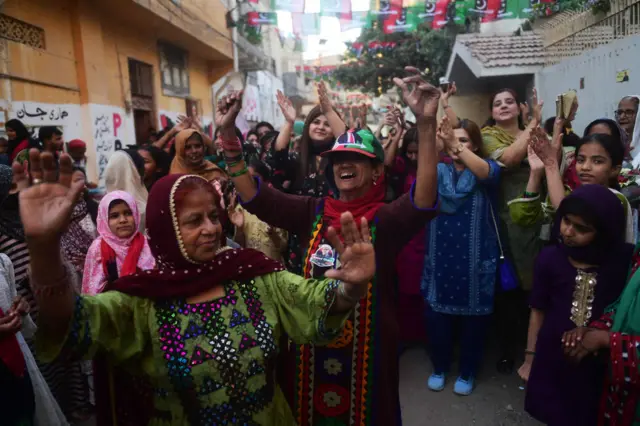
pixel 627 112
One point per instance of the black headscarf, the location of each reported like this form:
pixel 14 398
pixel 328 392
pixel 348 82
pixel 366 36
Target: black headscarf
pixel 21 133
pixel 10 223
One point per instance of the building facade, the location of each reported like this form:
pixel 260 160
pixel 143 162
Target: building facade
pixel 110 71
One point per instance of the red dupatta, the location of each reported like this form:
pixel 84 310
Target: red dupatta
pixel 11 354
pixel 366 206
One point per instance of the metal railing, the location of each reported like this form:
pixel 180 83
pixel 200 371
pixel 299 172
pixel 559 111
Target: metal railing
pixel 571 33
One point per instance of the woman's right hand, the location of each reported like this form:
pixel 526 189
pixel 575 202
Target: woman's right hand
pixel 46 206
pixel 288 111
pixel 10 324
pixel 227 110
pixel 235 216
pixel 525 370
pixel 323 97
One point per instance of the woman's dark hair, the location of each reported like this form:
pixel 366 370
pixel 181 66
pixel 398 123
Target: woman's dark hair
pixel 491 121
pixel 163 162
pixel 21 134
pixel 138 161
pixel 548 125
pixel 254 133
pixel 238 134
pixel 270 136
pixel 613 147
pixel 580 207
pixel 261 168
pixel 264 124
pixel 475 135
pixel 410 136
pixel 611 124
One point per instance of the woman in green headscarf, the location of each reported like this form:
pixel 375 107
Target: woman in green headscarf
pixel 505 140
pixel 617 331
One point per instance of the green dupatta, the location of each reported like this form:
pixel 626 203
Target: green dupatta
pixel 627 307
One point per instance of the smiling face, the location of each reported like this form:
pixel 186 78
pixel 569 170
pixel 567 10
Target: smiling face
pixel 194 150
pixel 319 129
pixel 354 174
pixel 594 165
pixel 504 108
pixel 121 221
pixel 575 231
pixel 200 226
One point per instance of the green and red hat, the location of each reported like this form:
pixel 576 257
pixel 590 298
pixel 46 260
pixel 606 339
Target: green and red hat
pixel 361 141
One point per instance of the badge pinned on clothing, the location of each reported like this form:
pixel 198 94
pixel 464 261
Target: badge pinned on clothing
pixel 324 257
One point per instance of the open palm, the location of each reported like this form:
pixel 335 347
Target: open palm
pixel 288 111
pixel 356 254
pixel 45 209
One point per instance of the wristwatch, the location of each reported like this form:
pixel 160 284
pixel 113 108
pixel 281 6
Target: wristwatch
pixel 458 149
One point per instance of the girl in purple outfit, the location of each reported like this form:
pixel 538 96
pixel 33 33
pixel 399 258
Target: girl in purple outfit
pixel 573 282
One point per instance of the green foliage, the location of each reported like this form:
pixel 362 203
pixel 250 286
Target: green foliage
pixel 428 50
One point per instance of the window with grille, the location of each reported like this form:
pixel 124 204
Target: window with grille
pixel 16 30
pixel 140 78
pixel 174 70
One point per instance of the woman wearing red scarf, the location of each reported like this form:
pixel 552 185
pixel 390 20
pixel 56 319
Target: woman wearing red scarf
pixel 353 380
pixel 202 327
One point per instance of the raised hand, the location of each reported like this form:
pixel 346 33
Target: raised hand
pixel 184 122
pixel 445 133
pixel 288 111
pixel 534 161
pixel 235 216
pixel 227 110
pixel 542 147
pixel 450 92
pixel 45 207
pixel 196 120
pixel 536 111
pixel 323 98
pixel 422 98
pixel 357 256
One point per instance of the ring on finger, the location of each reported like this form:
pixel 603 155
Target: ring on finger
pixel 36 181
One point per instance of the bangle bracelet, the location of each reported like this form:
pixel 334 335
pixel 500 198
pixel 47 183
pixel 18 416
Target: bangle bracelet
pixel 530 194
pixel 528 352
pixel 239 173
pixel 235 163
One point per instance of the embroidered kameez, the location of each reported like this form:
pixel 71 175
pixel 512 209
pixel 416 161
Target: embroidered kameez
pixel 209 363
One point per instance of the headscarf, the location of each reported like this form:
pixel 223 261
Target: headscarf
pixel 634 146
pixel 21 142
pixel 179 165
pixel 129 254
pixel 601 207
pixel 177 275
pixel 122 174
pixel 10 223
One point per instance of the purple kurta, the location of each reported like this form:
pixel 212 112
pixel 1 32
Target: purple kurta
pixel 560 392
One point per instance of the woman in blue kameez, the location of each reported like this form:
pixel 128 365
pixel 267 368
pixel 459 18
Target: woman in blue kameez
pixel 462 252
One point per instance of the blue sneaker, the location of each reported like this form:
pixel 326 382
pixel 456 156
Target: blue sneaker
pixel 436 382
pixel 463 387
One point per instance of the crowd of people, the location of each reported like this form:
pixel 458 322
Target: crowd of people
pixel 275 277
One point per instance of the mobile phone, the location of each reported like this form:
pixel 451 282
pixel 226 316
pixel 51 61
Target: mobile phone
pixel 444 84
pixel 559 107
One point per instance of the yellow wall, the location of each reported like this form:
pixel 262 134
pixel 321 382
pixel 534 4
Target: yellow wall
pixel 87 51
pixel 473 107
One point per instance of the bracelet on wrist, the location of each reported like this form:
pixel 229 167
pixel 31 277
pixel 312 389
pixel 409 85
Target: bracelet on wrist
pixel 528 352
pixel 235 163
pixel 234 159
pixel 530 194
pixel 239 173
pixel 343 293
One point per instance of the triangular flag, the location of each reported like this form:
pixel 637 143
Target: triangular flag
pixel 262 18
pixel 358 20
pixel 199 356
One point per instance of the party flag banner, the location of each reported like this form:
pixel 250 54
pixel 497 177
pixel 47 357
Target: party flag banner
pixel 262 18
pixel 305 24
pixel 293 6
pixel 339 8
pixel 383 8
pixel 404 22
pixel 358 20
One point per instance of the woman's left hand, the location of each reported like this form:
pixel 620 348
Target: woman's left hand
pixel 445 133
pixel 20 306
pixel 537 108
pixel 422 97
pixel 587 341
pixel 356 254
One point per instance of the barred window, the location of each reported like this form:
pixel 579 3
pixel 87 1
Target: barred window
pixel 16 30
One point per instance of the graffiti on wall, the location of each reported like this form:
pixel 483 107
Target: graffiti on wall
pixel 35 115
pixel 111 129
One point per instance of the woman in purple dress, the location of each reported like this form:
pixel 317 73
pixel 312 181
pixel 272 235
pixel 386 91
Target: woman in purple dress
pixel 573 282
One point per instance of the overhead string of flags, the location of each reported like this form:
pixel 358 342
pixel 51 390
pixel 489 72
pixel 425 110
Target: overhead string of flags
pixel 394 16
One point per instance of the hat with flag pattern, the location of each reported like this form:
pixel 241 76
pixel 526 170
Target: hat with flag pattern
pixel 361 141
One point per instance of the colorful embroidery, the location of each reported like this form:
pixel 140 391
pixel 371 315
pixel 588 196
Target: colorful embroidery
pixel 195 334
pixel 325 392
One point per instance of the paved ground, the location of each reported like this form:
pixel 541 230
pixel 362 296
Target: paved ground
pixel 498 400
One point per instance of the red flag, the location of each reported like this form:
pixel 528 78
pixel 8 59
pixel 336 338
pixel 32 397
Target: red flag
pixel 393 12
pixel 493 6
pixel 440 15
